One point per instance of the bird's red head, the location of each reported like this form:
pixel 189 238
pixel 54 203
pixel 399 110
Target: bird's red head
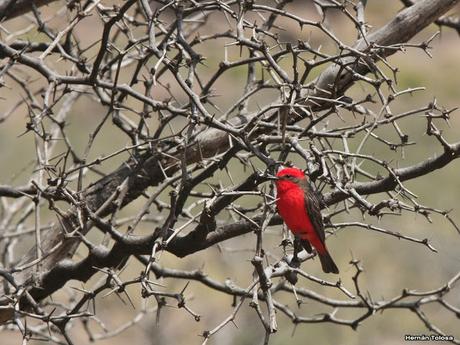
pixel 288 179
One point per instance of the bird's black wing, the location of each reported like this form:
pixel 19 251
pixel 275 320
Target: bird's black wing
pixel 313 208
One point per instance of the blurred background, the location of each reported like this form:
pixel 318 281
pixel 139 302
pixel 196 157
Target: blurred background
pixel 390 265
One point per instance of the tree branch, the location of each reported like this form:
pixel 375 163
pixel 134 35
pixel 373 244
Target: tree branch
pixel 13 8
pixel 148 169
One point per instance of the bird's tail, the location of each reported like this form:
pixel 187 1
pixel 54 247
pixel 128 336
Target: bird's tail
pixel 327 263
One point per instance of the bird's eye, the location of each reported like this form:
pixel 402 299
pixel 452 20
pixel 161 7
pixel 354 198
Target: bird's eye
pixel 288 176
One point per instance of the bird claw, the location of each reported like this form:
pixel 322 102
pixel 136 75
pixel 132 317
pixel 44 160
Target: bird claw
pixel 295 262
pixel 291 275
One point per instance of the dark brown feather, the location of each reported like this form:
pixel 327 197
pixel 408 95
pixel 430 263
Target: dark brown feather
pixel 313 207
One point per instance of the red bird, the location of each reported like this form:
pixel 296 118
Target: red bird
pixel 299 206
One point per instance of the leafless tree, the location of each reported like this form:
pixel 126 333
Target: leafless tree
pixel 195 151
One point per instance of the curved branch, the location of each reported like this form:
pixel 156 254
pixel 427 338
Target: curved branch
pixel 403 174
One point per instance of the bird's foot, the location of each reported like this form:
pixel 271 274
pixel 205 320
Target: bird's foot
pixel 291 276
pixel 295 262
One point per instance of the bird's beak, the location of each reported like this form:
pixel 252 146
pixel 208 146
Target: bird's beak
pixel 271 178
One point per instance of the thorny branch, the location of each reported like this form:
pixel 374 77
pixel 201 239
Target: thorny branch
pixel 145 65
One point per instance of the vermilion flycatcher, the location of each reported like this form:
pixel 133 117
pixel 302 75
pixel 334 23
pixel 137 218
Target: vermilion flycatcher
pixel 299 206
